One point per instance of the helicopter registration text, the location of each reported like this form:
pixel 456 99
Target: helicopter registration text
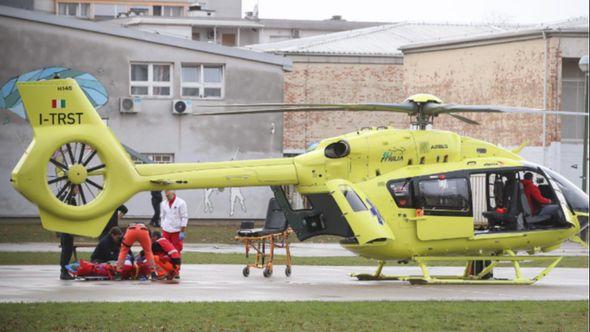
pixel 53 119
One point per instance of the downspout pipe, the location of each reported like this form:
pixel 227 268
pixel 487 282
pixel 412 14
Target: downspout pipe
pixel 544 140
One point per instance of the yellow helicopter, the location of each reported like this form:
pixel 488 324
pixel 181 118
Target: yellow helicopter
pixel 421 195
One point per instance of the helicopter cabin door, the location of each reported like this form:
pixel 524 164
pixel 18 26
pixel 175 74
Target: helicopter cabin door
pixel 446 207
pixel 363 217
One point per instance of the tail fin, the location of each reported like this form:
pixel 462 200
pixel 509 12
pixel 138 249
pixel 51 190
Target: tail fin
pixel 518 150
pixel 74 170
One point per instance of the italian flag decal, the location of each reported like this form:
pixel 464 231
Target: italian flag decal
pixel 58 103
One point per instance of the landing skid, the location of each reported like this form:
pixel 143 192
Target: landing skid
pixel 467 278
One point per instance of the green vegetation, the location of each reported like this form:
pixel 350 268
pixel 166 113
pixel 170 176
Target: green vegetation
pixel 10 233
pixel 300 316
pixel 34 258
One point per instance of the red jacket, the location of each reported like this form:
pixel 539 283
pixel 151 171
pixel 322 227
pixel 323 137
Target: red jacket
pixel 533 195
pixel 163 247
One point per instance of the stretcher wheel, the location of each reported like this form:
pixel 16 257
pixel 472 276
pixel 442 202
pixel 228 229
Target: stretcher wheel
pixel 288 271
pixel 267 272
pixel 246 272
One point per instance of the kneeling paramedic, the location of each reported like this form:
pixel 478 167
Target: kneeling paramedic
pixel 167 256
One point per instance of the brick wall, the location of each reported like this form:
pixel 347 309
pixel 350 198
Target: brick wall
pixel 339 83
pixel 510 74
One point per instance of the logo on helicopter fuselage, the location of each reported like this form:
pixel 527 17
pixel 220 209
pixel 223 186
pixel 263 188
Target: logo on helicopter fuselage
pixel 393 155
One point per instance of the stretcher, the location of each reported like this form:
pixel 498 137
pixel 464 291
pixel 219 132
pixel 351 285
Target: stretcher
pixel 263 241
pixel 139 270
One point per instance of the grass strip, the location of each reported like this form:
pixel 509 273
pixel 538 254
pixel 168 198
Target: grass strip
pixel 298 316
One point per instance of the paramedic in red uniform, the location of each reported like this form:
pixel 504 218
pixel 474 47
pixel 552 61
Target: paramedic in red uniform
pixel 166 255
pixel 174 218
pixel 537 202
pixel 140 233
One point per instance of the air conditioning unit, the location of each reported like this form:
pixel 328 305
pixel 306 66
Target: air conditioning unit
pixel 182 106
pixel 130 105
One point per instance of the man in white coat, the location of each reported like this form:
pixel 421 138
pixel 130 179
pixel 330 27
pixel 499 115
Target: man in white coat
pixel 174 218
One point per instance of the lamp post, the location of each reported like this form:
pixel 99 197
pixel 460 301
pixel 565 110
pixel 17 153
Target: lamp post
pixel 583 64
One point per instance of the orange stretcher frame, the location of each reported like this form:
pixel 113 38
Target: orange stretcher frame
pixel 265 259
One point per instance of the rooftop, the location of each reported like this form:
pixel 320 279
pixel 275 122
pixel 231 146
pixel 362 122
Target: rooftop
pixel 120 32
pixel 323 25
pixel 383 40
pixel 572 26
pixel 192 21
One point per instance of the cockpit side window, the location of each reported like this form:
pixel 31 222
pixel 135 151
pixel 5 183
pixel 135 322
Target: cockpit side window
pixel 401 190
pixel 355 202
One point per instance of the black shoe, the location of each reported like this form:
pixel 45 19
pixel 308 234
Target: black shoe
pixel 65 275
pixel 154 276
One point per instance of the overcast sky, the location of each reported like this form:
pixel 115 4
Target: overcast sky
pixel 465 11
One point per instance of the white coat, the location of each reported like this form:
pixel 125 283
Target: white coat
pixel 173 218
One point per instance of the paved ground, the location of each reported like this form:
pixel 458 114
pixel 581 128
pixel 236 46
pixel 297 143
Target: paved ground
pixel 298 249
pixel 319 283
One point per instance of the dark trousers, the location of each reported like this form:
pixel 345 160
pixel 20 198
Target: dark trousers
pixel 67 249
pixel 549 209
pixel 156 205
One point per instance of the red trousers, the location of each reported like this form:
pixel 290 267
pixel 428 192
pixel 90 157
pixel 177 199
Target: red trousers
pixel 136 232
pixel 165 268
pixel 174 239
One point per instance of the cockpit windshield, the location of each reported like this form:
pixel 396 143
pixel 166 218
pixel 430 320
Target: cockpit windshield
pixel 577 199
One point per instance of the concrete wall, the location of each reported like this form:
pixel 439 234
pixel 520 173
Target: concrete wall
pixel 226 8
pixel 178 31
pixel 339 83
pixel 247 36
pixel 45 5
pixel 270 35
pixel 191 139
pixel 22 4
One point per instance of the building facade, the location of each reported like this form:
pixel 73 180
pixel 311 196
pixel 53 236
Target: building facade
pixel 357 66
pixel 526 66
pixel 108 9
pixel 153 71
pixel 534 68
pixel 214 21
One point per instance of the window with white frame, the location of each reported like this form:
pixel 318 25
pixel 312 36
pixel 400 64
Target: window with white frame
pixel 160 158
pixel 151 79
pixel 73 9
pixel 167 11
pixel 202 81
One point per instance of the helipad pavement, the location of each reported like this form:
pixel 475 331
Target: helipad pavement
pixel 297 249
pixel 320 283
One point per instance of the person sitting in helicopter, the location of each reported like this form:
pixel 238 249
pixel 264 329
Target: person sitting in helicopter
pixel 539 204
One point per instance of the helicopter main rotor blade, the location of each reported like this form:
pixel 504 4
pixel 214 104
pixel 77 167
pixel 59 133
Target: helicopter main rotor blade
pixel 407 108
pixel 464 119
pixel 436 109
